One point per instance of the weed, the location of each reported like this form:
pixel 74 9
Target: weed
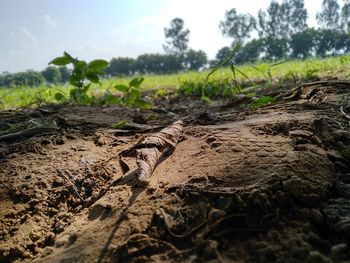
pixel 219 82
pixel 265 70
pixel 82 76
pixel 132 94
pixel 120 124
pixel 263 101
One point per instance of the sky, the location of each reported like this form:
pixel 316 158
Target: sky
pixel 33 32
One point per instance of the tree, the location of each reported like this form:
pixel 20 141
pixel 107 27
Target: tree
pixel 270 21
pixel 194 60
pixel 122 66
pixel 28 78
pixel 159 64
pixel 345 16
pixel 221 55
pixel 303 43
pixel 52 75
pixel 328 18
pixel 237 26
pixel 250 52
pixel 326 42
pixel 65 74
pixel 295 15
pixel 275 48
pixel 177 37
pixel 282 20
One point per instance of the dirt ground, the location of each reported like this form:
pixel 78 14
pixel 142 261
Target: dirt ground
pixel 243 185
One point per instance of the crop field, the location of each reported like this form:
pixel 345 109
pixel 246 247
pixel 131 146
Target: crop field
pixel 293 71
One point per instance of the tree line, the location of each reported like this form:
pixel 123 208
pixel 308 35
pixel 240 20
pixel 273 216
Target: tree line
pixel 283 32
pixel 280 32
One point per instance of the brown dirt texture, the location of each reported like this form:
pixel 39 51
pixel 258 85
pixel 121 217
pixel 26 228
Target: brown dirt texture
pixel 242 185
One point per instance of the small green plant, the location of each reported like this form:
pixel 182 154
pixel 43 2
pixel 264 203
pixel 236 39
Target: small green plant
pixel 343 60
pixel 311 74
pixel 265 70
pixel 120 124
pixel 263 101
pixel 82 76
pixel 132 94
pixel 227 60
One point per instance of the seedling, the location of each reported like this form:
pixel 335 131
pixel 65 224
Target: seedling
pixel 228 60
pixel 261 102
pixel 265 70
pixel 82 76
pixel 132 94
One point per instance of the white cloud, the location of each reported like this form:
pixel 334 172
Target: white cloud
pixel 49 23
pixel 27 39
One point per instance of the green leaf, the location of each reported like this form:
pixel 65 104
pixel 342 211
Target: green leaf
pixel 110 99
pixel 73 81
pixel 133 95
pixel 95 71
pixel 59 96
pixel 98 64
pixel 68 56
pixel 263 101
pixel 136 82
pixel 92 77
pixel 86 88
pixel 142 104
pixel 74 94
pixel 80 65
pixel 122 88
pixel 205 99
pixel 120 124
pixel 60 61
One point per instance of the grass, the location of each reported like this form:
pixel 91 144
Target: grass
pixel 12 98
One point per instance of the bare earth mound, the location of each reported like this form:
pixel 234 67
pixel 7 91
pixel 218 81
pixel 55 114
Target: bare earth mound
pixel 268 185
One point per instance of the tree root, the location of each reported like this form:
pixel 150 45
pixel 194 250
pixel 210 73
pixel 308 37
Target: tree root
pixel 344 113
pixel 26 133
pixel 184 235
pixel 65 177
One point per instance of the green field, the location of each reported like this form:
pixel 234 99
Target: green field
pixel 294 70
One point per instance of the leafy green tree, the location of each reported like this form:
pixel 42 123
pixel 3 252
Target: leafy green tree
pixel 28 78
pixel 223 53
pixel 269 22
pixel 342 43
pixel 237 26
pixel 250 52
pixel 326 42
pixel 295 16
pixel 158 63
pixel 171 63
pixel 194 60
pixel 282 20
pixel 65 74
pixel 122 66
pixel 275 48
pixel 329 17
pixel 345 16
pixel 52 75
pixel 278 23
pixel 303 43
pixel 177 37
